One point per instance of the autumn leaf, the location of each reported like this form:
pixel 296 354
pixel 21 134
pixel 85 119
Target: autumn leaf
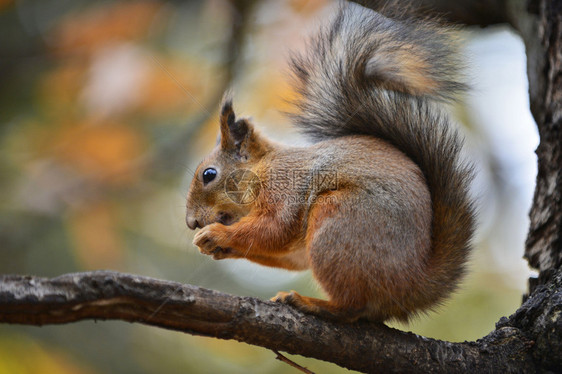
pixel 5 4
pixel 21 355
pixel 105 152
pixel 94 232
pixel 87 31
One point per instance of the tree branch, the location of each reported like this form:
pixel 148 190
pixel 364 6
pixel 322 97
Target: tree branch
pixel 105 295
pixel 467 12
pixel 528 341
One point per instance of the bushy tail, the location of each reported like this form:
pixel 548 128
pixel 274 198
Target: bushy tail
pixel 367 74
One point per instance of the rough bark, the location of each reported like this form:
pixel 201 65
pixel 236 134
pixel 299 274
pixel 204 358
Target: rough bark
pixel 541 30
pixel 528 341
pixel 362 346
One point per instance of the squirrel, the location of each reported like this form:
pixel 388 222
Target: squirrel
pixel 378 205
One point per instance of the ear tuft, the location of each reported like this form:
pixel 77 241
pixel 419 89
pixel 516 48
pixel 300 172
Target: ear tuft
pixel 226 105
pixel 227 117
pixel 233 133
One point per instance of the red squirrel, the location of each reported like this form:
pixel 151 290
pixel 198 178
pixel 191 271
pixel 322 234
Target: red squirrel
pixel 378 206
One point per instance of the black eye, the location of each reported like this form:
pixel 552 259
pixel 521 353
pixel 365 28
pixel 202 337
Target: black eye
pixel 208 175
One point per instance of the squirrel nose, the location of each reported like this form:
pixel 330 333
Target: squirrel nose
pixel 192 223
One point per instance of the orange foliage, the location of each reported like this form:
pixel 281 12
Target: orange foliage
pixel 95 233
pixel 168 87
pixel 5 3
pixel 172 86
pixel 59 88
pixel 105 151
pixel 24 356
pixel 277 93
pixel 86 31
pixel 306 7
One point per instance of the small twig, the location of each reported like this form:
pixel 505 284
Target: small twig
pixel 280 357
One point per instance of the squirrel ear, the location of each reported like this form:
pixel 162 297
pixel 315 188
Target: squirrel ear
pixel 233 133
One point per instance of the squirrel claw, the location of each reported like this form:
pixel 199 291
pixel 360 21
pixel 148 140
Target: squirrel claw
pixel 220 253
pixel 208 245
pixel 284 297
pixel 206 240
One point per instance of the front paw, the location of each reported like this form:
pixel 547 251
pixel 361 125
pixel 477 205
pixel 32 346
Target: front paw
pixel 220 253
pixel 208 241
pixel 205 241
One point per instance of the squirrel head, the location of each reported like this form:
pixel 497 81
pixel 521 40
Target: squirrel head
pixel 224 187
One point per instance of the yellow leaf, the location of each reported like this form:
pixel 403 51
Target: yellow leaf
pixel 19 355
pixel 86 31
pixel 174 85
pixel 106 152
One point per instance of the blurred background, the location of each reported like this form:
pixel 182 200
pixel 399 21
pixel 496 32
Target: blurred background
pixel 106 107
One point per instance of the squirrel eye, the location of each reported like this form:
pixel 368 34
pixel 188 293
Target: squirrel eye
pixel 208 175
